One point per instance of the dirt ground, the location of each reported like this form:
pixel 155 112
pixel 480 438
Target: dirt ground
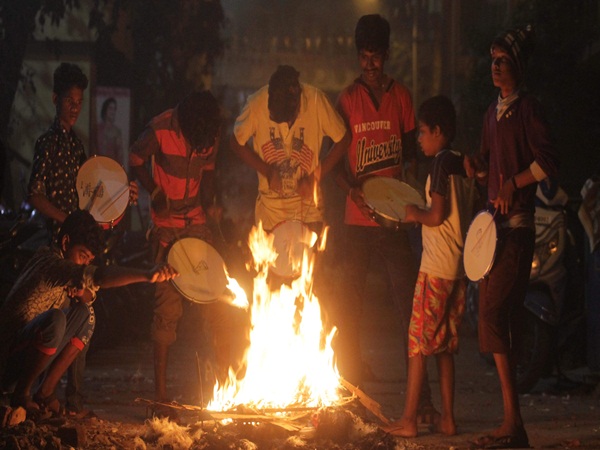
pixel 120 373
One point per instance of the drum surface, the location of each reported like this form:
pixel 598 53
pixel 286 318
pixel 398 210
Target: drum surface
pixel 103 189
pixel 388 197
pixel 480 246
pixel 202 277
pixel 291 239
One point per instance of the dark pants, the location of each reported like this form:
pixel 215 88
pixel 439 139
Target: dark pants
pixel 169 302
pixel 363 247
pixel 502 292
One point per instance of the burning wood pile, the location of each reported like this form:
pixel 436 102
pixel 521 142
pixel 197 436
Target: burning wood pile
pixel 288 392
pixel 289 384
pixel 329 428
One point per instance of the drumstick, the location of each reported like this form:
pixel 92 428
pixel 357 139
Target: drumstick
pixel 105 208
pixel 479 242
pixel 189 260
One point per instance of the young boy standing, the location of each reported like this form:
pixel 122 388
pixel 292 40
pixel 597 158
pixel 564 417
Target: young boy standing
pixel 516 153
pixel 439 296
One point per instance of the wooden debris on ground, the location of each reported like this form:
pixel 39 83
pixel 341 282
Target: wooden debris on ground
pixel 366 401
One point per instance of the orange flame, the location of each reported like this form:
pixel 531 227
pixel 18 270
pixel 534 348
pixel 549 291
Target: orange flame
pixel 289 361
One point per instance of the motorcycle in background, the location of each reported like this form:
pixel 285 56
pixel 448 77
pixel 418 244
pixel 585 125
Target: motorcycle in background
pixel 554 335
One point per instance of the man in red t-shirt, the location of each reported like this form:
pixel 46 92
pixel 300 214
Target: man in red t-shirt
pixel 379 113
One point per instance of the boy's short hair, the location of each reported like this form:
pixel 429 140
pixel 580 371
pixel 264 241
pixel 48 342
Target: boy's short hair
pixel 372 33
pixel 82 229
pixel 284 94
pixel 68 75
pixel 439 111
pixel 199 117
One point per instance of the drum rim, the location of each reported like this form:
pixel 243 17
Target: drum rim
pixel 400 183
pixel 174 280
pixel 492 224
pixel 123 171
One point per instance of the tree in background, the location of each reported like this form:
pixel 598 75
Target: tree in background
pixel 174 45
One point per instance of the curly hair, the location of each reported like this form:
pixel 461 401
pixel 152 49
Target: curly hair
pixel 439 111
pixel 372 33
pixel 199 117
pixel 68 75
pixel 82 229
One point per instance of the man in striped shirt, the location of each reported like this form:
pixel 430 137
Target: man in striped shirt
pixel 182 144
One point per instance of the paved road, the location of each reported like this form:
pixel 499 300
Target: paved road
pixel 117 375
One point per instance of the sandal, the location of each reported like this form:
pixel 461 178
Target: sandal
pixel 517 440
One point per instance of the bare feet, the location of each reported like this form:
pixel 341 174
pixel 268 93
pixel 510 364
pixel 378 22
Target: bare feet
pixel 446 426
pixel 402 427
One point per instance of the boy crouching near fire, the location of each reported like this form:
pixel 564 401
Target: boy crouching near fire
pixel 48 318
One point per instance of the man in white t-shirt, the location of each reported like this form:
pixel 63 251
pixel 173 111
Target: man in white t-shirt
pixel 279 133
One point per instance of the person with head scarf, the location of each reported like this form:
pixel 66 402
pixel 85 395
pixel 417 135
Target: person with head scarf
pixel 516 153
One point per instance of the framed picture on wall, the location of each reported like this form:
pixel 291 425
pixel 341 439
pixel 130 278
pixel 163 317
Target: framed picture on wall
pixel 110 135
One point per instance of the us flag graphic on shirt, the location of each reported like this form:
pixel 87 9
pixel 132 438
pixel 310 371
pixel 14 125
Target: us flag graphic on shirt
pixel 301 153
pixel 272 150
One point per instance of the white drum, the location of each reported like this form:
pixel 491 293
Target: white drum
pixel 480 246
pixel 103 189
pixel 291 238
pixel 388 197
pixel 202 277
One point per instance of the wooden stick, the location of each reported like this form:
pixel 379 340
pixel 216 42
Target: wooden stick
pixel 367 401
pixel 200 380
pixel 114 200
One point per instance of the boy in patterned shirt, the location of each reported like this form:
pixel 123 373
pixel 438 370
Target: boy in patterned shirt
pixel 45 321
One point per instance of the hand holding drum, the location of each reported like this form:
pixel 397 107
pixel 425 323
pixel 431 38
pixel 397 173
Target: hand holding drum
pixel 104 190
pixel 162 272
pixel 388 197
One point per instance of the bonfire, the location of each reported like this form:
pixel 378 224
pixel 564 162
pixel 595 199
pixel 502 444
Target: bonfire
pixel 289 363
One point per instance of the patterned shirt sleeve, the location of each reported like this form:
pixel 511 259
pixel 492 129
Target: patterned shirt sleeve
pixel 41 169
